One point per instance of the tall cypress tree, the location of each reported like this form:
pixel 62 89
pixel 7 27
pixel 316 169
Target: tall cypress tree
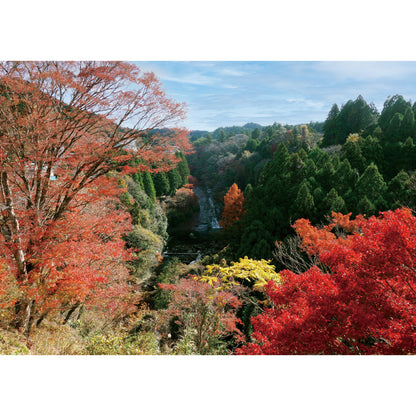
pixel 175 180
pixel 304 204
pixel 407 125
pixel 394 128
pixel 352 151
pixel 138 178
pixel 371 185
pixel 330 127
pixel 393 105
pixel 161 183
pixel 183 169
pixel 148 185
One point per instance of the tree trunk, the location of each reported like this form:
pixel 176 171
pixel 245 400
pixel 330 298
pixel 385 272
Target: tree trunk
pixel 23 307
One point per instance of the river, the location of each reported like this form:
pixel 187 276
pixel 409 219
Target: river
pixel 200 235
pixel 208 215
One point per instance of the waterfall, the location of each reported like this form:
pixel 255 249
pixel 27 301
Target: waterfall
pixel 207 212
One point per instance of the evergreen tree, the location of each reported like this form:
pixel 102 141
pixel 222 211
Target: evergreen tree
pixel 365 206
pixel 221 136
pixel 255 134
pixel 408 124
pixel 408 153
pixel 398 191
pixel 333 202
pixel 304 204
pixel 352 152
pixel 392 106
pixel 371 184
pixel 354 117
pixel 148 185
pixel 183 169
pixel 295 169
pixel 394 128
pixel 247 191
pixel 310 168
pixel 371 150
pixel 276 165
pixel 138 178
pixel 161 183
pixel 326 175
pixel 175 180
pixel 251 145
pixel 346 177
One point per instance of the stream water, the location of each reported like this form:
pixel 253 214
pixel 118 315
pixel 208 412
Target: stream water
pixel 199 235
pixel 208 216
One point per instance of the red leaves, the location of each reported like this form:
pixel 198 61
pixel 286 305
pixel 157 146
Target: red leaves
pixel 366 304
pixel 63 127
pixel 81 258
pixel 203 309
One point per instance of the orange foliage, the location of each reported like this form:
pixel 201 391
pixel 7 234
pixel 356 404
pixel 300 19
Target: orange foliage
pixel 316 240
pixel 63 127
pixel 233 206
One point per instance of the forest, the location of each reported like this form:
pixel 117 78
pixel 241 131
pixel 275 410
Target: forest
pixel 124 233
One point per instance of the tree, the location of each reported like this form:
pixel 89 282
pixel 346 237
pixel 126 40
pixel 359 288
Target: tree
pixel 394 128
pixel 221 136
pixel 355 117
pixel 255 134
pixel 371 185
pixel 183 168
pixel 233 206
pixel 148 185
pixel 393 105
pixel 64 126
pixel 245 279
pixel 175 180
pixel 408 124
pixel 330 127
pixel 254 272
pixel 351 151
pixel 304 204
pixel 334 202
pixel 161 183
pixel 361 301
pixel 203 315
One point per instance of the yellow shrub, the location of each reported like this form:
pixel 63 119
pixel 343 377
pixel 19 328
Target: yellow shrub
pixel 258 272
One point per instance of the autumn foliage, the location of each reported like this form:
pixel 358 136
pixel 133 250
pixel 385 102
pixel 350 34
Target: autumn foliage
pixel 362 299
pixel 63 127
pixel 233 206
pixel 204 314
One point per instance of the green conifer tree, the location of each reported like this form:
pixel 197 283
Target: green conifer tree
pixel 175 180
pixel 371 184
pixel 304 203
pixel 161 183
pixel 148 185
pixel 366 207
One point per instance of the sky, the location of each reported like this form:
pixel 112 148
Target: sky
pixel 227 93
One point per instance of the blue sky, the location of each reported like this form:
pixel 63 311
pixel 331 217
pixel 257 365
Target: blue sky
pixel 221 93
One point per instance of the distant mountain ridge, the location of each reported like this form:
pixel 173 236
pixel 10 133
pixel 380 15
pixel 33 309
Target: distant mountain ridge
pixel 246 129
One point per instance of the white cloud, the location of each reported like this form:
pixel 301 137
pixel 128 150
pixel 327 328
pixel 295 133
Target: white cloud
pixel 368 70
pixel 231 72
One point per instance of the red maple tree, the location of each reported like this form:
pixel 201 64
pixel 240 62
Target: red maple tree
pixel 204 310
pixel 233 206
pixel 361 301
pixel 63 127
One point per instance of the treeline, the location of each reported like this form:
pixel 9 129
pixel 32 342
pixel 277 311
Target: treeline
pixel 351 172
pixel 164 183
pixel 363 163
pixel 240 158
pixel 395 123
